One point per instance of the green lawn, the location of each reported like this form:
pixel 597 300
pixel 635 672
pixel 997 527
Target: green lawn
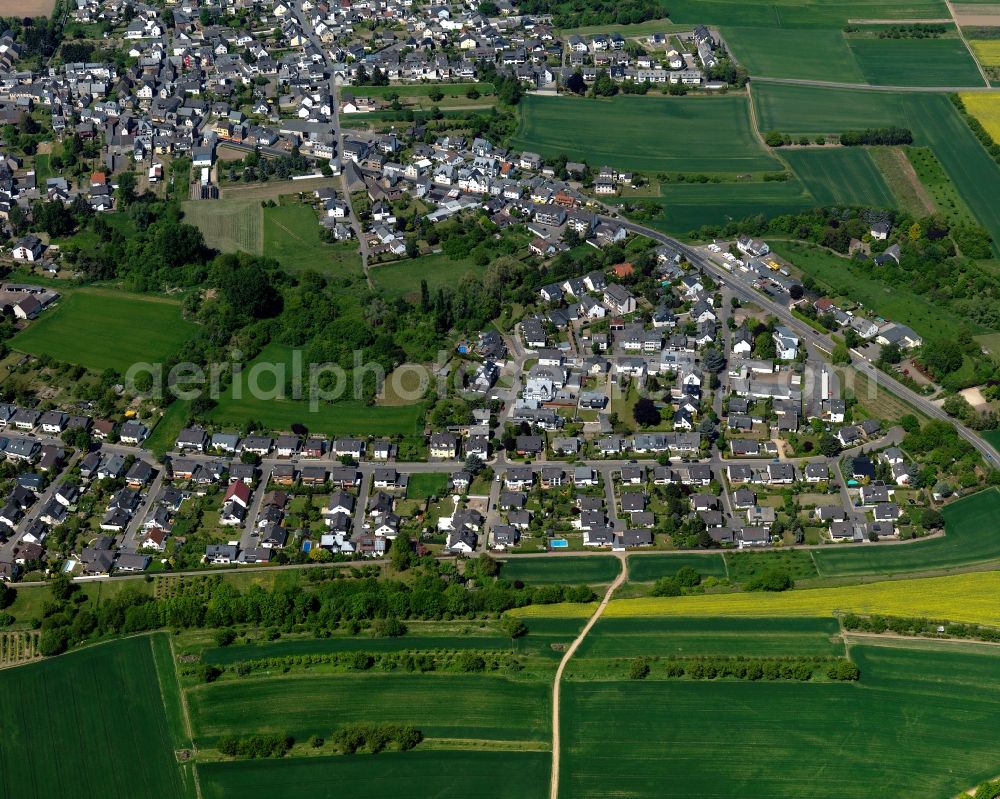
pixel 614 637
pixel 919 723
pixel 972 537
pixel 841 176
pixel 414 775
pixel 647 568
pixel 841 276
pixel 164 433
pixel 423 89
pixel 90 725
pixel 569 570
pixel 915 62
pixel 427 484
pixel 102 329
pixel 653 133
pixel 276 410
pixel 440 705
pixel 402 278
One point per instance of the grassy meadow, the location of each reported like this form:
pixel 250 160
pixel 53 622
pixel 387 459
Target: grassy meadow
pixel 277 410
pixel 102 329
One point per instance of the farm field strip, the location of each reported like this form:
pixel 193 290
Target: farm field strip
pixel 967 598
pixel 440 705
pixel 842 277
pixel 228 225
pixel 570 570
pixel 646 133
pixel 761 637
pixel 439 774
pixel 841 176
pixel 621 738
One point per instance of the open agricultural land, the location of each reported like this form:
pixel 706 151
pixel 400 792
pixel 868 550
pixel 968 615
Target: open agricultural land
pixel 841 176
pixel 711 134
pixel 74 721
pixel 968 598
pixel 932 118
pixel 650 737
pixel 438 774
pixel 104 329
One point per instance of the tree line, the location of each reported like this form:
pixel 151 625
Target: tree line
pixel 431 595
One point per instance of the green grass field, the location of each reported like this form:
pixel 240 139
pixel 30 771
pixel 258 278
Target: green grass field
pixel 440 705
pixel 615 638
pixel 430 484
pixel 807 109
pixel 570 570
pixel 415 775
pixel 841 176
pixel 915 62
pixel 840 276
pixel 340 418
pixel 645 133
pixel 971 537
pixel 289 233
pixel 402 278
pixel 291 236
pixel 688 206
pixel 102 329
pixel 803 53
pixel 919 723
pixel 796 563
pixel 647 568
pixel 90 724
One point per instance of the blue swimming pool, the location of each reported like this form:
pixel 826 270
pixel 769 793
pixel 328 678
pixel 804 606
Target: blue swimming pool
pixel 558 543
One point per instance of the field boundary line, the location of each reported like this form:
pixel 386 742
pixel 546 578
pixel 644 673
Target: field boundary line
pixel 622 576
pixel 968 47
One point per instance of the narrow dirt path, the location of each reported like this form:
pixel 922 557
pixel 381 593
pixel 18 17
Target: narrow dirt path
pixel 622 576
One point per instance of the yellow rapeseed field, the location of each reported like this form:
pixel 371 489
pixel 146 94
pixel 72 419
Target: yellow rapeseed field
pixel 973 598
pixel 987 51
pixel 984 106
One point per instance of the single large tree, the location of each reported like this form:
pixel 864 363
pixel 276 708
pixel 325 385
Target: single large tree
pixel 645 412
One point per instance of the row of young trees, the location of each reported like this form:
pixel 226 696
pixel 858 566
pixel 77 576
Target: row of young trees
pixel 801 668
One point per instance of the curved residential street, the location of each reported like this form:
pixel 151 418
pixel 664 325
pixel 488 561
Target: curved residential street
pixel 622 576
